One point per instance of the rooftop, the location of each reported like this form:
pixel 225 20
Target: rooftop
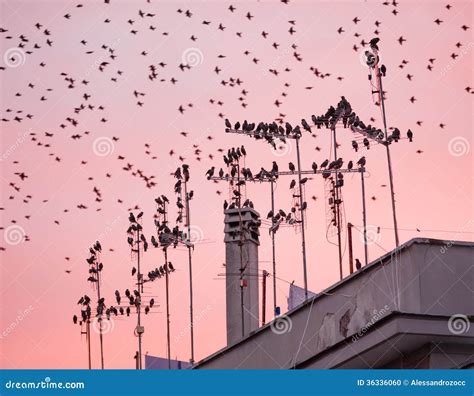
pixel 403 300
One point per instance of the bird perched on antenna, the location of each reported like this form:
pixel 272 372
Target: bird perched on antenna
pixel 366 143
pixel 361 162
pixel 210 173
pixel 373 43
pixel 355 146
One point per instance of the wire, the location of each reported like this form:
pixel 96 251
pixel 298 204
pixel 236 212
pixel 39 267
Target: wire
pixel 423 230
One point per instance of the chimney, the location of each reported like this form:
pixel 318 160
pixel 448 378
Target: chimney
pixel 241 256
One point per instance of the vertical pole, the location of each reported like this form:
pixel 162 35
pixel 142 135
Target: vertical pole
pixel 303 240
pixel 88 335
pixel 100 322
pixel 273 248
pixel 364 216
pixel 241 247
pixel 389 161
pixel 188 221
pixel 336 193
pixel 168 340
pixel 139 305
pixel 264 295
pixel 349 237
pixel 242 299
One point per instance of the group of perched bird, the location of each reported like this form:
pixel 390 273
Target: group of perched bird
pixel 341 114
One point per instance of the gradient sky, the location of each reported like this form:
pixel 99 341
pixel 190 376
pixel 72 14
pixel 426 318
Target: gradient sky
pixel 434 189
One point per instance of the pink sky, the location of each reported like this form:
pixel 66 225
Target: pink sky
pixel 434 188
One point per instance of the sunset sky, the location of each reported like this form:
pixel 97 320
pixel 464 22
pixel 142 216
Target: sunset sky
pixel 53 157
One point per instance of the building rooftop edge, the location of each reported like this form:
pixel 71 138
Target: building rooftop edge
pixel 391 316
pixel 374 264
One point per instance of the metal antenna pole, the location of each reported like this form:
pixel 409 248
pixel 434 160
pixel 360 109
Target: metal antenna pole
pixel 303 240
pixel 168 340
pixel 139 283
pixel 167 311
pixel 389 161
pixel 241 248
pixel 273 248
pixel 88 338
pixel 364 216
pixel 337 214
pixel 264 295
pixel 188 221
pixel 351 257
pixel 100 322
pixel 89 342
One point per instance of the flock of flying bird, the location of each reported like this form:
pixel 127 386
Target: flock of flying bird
pixel 45 36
